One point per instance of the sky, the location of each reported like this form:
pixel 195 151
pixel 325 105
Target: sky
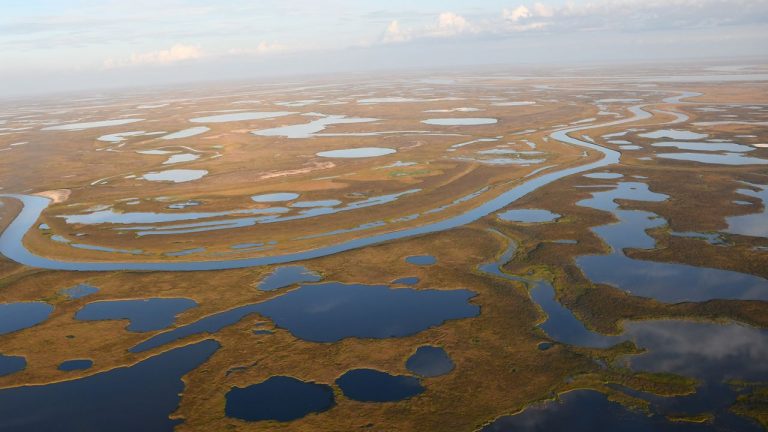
pixel 56 45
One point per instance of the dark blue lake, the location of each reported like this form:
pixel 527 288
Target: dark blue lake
pixel 126 399
pixel 333 311
pixel 18 316
pixel 369 385
pixel 280 398
pixel 11 364
pixel 144 314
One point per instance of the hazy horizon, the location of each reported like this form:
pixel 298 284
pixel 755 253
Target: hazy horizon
pixel 47 47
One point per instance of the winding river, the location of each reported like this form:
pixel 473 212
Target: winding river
pixel 12 246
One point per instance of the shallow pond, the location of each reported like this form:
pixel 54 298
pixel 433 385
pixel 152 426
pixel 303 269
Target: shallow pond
pixel 79 291
pixel 175 175
pixel 406 281
pixel 319 203
pixel 528 216
pixel 370 385
pixel 134 398
pixel 465 121
pixel 11 364
pixel 282 277
pixel 179 158
pixel 429 361
pixel 240 116
pixel 756 224
pixel 333 311
pixel 186 133
pixel 91 125
pixel 75 365
pixel 275 197
pixel 144 314
pixel 185 252
pixel 674 134
pixel 421 260
pixel 705 146
pixel 604 175
pixel 307 130
pixel 354 153
pixel 18 316
pixel 513 103
pixel 715 159
pixel 120 136
pixel 280 398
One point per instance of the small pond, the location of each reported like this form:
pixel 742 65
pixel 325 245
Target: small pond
pixel 370 385
pixel 528 216
pixel 75 365
pixel 144 314
pixel 282 277
pixel 354 153
pixel 280 398
pixel 429 361
pixel 21 315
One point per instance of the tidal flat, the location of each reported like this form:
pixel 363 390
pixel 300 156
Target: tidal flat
pixel 365 249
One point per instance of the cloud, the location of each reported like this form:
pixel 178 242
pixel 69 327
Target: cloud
pixel 516 14
pixel 260 48
pixel 393 33
pixel 624 16
pixel 634 15
pixel 176 53
pixel 447 24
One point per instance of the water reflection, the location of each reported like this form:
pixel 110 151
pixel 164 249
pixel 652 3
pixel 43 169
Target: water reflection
pixel 586 411
pixel 667 282
pixel 333 311
pixel 755 225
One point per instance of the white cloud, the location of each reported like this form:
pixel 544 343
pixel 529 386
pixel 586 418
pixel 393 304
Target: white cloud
pixel 634 15
pixel 260 48
pixel 516 14
pixel 447 24
pixel 394 33
pixel 176 53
